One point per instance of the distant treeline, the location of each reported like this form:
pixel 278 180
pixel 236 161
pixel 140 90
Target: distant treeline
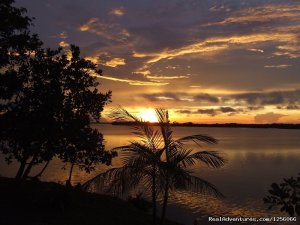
pixel 230 125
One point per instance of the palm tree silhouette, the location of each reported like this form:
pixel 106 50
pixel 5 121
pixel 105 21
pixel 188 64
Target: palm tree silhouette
pixel 178 158
pixel 157 162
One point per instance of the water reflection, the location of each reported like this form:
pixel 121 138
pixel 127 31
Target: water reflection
pixel 256 158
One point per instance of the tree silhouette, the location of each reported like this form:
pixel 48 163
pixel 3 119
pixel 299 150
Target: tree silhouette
pixel 47 100
pixel 15 38
pixel 157 162
pixel 286 195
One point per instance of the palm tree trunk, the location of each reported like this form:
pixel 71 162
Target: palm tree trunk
pixel 42 171
pixel 167 145
pixel 165 203
pixel 154 197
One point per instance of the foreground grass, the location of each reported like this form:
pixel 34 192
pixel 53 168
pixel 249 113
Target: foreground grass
pixel 47 203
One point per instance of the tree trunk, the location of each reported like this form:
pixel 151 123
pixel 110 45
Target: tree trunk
pixel 21 170
pixel 70 174
pixel 42 171
pixel 165 203
pixel 28 168
pixel 154 197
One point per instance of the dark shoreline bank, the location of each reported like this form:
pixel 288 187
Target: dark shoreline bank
pixel 49 203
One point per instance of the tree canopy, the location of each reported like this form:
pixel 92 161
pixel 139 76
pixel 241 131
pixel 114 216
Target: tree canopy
pixel 48 98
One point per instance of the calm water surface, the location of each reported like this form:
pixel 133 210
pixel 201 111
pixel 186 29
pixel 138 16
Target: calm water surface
pixel 255 159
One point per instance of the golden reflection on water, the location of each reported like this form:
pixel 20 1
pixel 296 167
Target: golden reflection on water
pixel 201 206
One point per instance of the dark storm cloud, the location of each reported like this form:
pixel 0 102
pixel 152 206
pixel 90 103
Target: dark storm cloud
pixel 227 109
pixel 289 107
pixel 212 111
pixel 206 97
pixel 253 108
pixel 269 98
pixel 253 100
pixel 173 96
pixel 293 107
pixel 184 111
pixel 167 96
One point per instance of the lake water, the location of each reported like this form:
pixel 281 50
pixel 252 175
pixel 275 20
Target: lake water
pixel 255 159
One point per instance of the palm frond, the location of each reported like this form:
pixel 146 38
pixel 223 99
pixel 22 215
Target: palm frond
pixel 211 158
pixel 149 135
pixel 198 139
pixel 99 182
pixel 121 114
pixel 116 181
pixel 179 156
pixel 162 115
pixel 198 185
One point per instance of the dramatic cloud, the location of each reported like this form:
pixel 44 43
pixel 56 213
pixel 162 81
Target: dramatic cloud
pixel 208 58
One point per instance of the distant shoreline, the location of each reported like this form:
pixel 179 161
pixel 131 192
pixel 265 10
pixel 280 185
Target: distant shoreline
pixel 228 125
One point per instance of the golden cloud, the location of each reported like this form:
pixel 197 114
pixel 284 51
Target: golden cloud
pixel 263 14
pixel 256 50
pixel 167 77
pixel 282 66
pixel 93 59
pixel 217 44
pixel 118 11
pixel 290 50
pixel 110 31
pixel 63 35
pixel 63 44
pixel 131 82
pixel 115 62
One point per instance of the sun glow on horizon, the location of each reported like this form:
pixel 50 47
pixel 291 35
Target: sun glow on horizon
pixel 148 115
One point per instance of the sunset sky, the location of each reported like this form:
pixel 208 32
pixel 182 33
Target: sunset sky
pixel 207 61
